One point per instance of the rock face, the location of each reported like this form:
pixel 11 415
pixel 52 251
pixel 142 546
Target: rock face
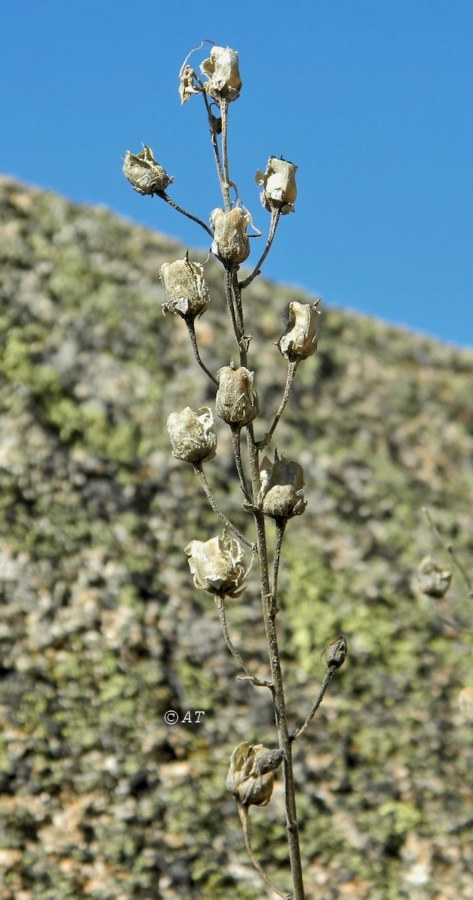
pixel 101 630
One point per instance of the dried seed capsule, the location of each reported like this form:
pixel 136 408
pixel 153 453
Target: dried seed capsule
pixel 231 243
pixel 237 401
pixel 192 435
pixel 186 288
pixel 300 337
pixel 217 565
pixel 282 483
pixel 251 774
pixel 144 173
pixel 432 578
pixel 279 185
pixel 187 83
pixel 223 73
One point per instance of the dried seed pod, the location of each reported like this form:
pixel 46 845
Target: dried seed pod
pixel 432 578
pixel 237 401
pixel 223 73
pixel 187 83
pixel 186 288
pixel 217 565
pixel 336 652
pixel 282 483
pixel 231 243
pixel 279 185
pixel 144 173
pixel 251 774
pixel 300 337
pixel 192 435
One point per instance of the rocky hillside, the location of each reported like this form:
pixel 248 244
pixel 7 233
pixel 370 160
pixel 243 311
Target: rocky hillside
pixel 102 631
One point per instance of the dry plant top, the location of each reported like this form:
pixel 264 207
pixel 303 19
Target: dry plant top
pixel 271 489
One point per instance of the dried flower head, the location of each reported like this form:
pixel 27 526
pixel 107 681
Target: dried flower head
pixel 192 435
pixel 231 243
pixel 282 488
pixel 237 401
pixel 251 774
pixel 217 565
pixel 223 73
pixel 432 578
pixel 187 292
pixel 300 337
pixel 144 173
pixel 279 185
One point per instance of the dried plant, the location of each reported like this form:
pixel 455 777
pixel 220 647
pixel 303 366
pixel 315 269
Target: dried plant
pixel 272 489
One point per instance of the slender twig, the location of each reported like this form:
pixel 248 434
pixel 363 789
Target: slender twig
pixel 449 548
pixel 297 733
pixel 226 175
pixel 184 212
pixel 231 304
pixel 219 600
pixel 244 819
pixel 189 320
pixel 280 529
pixel 208 493
pixel 291 372
pixel 275 216
pixel 236 432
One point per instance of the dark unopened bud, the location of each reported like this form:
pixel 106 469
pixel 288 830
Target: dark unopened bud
pixel 217 565
pixel 223 73
pixel 144 173
pixel 251 774
pixel 237 401
pixel 192 435
pixel 279 185
pixel 282 488
pixel 432 578
pixel 186 288
pixel 336 653
pixel 231 243
pixel 300 337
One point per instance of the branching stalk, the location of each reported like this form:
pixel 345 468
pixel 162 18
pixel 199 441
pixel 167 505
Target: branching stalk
pixel 184 212
pixel 291 372
pixel 208 493
pixel 189 320
pixel 275 216
pixel 244 819
pixel 235 653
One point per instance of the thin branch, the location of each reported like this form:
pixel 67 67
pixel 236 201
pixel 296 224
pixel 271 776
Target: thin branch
pixel 208 493
pixel 291 372
pixel 219 600
pixel 236 431
pixel 184 212
pixel 275 216
pixel 226 175
pixel 449 548
pixel 231 304
pixel 297 733
pixel 191 329
pixel 280 529
pixel 244 819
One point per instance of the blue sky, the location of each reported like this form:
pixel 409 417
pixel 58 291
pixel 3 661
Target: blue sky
pixel 372 99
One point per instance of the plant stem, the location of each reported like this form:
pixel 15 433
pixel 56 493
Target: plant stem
pixel 183 211
pixel 208 493
pixel 235 653
pixel 275 216
pixel 291 372
pixel 297 733
pixel 191 329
